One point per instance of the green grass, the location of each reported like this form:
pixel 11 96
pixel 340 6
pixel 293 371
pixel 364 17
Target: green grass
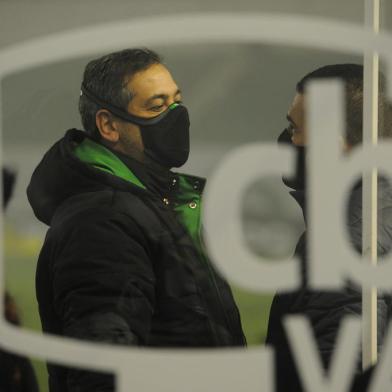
pixel 254 310
pixel 20 281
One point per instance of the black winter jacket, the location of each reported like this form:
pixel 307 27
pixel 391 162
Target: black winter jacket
pixel 325 309
pixel 123 260
pixel 16 374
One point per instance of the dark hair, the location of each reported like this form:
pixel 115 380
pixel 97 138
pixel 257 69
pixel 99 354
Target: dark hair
pixel 352 76
pixel 107 77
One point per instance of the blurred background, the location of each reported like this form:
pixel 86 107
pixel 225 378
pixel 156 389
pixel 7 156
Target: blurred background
pixel 235 94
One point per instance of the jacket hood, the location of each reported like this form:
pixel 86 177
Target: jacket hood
pixel 74 165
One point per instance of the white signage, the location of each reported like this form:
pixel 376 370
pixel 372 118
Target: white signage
pixel 234 370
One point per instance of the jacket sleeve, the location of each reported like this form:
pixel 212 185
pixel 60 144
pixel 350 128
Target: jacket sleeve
pixel 349 301
pixel 327 326
pixel 103 287
pixel 384 247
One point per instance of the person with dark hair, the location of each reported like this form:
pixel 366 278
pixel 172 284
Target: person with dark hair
pixel 16 373
pixel 326 309
pixel 123 261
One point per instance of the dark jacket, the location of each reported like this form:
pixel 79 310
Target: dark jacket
pixel 123 260
pixel 16 374
pixel 325 309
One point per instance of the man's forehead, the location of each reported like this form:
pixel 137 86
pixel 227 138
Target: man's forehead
pixel 155 80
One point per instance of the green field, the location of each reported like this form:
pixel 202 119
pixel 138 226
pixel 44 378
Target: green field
pixel 20 261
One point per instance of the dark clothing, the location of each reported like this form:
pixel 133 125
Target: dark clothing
pixel 123 260
pixel 16 374
pixel 8 185
pixel 325 309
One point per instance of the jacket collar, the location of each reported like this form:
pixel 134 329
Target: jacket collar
pixel 354 210
pixel 162 182
pixel 102 158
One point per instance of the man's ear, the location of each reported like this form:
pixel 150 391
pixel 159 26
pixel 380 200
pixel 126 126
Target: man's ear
pixel 107 126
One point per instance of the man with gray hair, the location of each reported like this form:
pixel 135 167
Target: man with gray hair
pixel 123 261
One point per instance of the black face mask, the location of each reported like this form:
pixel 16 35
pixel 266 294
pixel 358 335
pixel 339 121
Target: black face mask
pixel 165 137
pixel 297 181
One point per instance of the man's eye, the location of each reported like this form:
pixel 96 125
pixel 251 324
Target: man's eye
pixel 157 108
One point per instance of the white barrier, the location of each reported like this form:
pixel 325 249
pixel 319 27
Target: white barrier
pixel 204 370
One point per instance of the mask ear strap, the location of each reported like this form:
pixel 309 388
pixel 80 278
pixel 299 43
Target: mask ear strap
pixel 120 113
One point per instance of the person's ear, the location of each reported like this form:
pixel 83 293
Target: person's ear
pixel 107 126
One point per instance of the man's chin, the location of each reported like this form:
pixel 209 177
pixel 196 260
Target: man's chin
pixel 297 141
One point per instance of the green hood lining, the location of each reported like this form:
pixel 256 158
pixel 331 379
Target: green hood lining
pixel 103 159
pixel 190 218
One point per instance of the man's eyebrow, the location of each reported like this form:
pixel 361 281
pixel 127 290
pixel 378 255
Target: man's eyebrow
pixel 289 119
pixel 161 96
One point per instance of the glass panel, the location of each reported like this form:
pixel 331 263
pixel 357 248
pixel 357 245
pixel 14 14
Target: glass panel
pixel 236 94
